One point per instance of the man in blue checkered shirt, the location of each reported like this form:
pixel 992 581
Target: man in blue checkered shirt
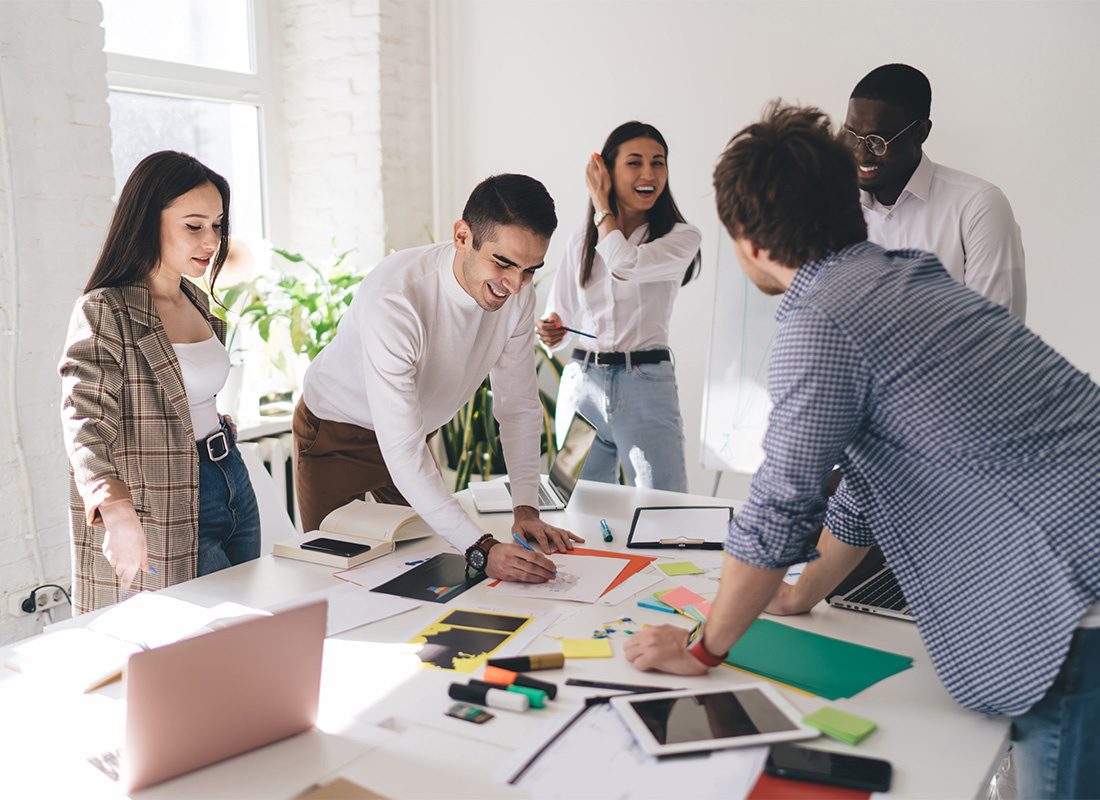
pixel 970 452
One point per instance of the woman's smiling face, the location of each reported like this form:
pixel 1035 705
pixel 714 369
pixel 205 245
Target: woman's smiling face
pixel 639 175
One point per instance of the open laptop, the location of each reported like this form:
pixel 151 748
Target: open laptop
pixel 872 588
pixel 556 488
pixel 214 696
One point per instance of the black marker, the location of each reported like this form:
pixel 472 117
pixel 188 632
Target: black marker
pixel 494 698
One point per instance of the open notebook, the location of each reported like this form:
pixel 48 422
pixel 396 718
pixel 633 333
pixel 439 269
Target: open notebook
pixel 379 525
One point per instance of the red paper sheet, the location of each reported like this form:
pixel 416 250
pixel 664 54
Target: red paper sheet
pixel 769 787
pixel 636 564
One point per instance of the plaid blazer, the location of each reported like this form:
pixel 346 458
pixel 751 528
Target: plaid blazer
pixel 127 428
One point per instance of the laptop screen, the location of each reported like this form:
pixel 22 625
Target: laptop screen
pixel 569 461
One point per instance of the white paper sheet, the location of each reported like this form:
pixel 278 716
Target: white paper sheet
pixel 350 606
pixel 633 585
pixel 604 761
pixel 375 573
pixel 580 578
pixel 154 619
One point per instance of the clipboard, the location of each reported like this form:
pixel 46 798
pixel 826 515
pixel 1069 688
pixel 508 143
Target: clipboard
pixel 680 527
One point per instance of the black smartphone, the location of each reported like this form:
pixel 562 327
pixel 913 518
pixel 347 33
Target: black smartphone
pixel 817 766
pixel 335 547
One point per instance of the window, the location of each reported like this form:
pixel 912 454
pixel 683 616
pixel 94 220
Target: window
pixel 190 76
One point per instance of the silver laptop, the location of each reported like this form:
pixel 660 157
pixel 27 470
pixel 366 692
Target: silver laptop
pixel 214 696
pixel 873 589
pixel 556 488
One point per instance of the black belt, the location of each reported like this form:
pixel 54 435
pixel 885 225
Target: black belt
pixel 619 359
pixel 216 446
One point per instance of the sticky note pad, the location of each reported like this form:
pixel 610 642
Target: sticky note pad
pixel 586 648
pixel 681 596
pixel 840 725
pixel 680 568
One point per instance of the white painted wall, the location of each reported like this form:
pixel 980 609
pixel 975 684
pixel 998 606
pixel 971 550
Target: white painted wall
pixel 55 201
pixel 536 87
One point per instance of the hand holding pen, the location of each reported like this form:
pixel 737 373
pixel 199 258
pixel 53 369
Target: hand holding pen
pixel 551 331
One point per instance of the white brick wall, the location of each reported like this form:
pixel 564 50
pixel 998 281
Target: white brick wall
pixel 407 123
pixel 55 202
pixel 331 109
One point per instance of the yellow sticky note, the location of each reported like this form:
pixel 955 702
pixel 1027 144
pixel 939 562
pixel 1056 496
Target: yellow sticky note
pixel 586 648
pixel 680 568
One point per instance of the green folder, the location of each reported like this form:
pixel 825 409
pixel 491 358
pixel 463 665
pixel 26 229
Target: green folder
pixel 821 665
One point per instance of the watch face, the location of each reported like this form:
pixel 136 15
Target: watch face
pixel 476 559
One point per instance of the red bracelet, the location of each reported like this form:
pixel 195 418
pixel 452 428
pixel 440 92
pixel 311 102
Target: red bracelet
pixel 703 655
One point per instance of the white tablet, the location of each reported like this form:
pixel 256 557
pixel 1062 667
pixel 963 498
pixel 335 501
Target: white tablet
pixel 689 720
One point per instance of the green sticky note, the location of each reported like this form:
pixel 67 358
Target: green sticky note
pixel 840 725
pixel 679 568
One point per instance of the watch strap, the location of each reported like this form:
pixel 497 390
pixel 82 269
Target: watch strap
pixel 703 655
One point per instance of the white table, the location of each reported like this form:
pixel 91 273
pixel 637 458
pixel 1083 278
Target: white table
pixel 382 723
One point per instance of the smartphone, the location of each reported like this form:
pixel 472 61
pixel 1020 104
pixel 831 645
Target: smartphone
pixel 335 547
pixel 818 766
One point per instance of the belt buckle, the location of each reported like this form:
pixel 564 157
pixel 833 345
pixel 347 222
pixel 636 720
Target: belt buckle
pixel 210 447
pixel 596 358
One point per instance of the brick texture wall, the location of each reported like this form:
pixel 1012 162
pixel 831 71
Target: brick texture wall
pixel 55 202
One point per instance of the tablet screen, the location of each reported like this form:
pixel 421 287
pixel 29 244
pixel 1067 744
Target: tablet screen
pixel 715 715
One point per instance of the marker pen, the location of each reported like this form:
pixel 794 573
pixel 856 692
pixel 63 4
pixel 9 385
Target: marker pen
pixel 537 697
pixel 530 663
pixel 509 678
pixel 494 698
pixel 606 530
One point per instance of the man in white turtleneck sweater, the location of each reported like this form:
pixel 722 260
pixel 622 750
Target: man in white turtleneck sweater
pixel 426 326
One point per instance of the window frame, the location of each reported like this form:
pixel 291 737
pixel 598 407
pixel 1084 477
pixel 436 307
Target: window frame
pixel 127 73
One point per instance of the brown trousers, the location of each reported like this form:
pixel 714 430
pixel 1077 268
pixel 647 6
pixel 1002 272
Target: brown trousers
pixel 335 463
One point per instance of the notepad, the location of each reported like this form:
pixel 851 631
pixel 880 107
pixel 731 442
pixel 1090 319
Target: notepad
pixel 679 568
pixel 830 668
pixel 586 648
pixel 840 725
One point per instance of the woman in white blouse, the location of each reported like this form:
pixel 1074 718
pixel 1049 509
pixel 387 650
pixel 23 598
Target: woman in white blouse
pixel 610 306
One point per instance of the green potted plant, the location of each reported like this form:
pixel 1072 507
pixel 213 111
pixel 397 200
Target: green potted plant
pixel 471 440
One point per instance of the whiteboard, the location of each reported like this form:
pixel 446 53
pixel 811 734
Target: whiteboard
pixel 735 394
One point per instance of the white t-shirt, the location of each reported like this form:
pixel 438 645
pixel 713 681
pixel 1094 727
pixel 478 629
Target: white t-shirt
pixel 966 221
pixel 204 367
pixel 627 302
pixel 412 348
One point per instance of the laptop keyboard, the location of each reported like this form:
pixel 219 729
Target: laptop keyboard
pixel 545 498
pixel 881 591
pixel 108 763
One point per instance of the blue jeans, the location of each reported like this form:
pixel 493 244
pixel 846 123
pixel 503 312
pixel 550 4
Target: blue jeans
pixel 636 413
pixel 229 521
pixel 1056 744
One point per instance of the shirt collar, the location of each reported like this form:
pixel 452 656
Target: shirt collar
pixel 807 274
pixel 451 285
pixel 919 184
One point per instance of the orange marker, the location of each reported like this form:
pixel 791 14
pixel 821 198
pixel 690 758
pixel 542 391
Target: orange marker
pixel 507 678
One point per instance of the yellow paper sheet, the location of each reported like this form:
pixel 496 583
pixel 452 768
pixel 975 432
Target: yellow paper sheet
pixel 586 648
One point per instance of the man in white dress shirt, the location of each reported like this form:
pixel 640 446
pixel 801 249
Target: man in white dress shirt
pixel 425 328
pixel 910 202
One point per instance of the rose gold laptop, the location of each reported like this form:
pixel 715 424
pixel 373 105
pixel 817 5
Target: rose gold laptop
pixel 214 696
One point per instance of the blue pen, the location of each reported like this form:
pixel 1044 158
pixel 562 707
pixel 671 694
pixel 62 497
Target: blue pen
pixel 523 543
pixel 606 530
pixel 153 570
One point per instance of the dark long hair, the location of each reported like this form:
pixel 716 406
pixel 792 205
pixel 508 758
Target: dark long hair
pixel 661 217
pixel 132 248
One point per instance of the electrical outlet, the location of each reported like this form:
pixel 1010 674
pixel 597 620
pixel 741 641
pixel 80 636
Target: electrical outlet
pixel 44 598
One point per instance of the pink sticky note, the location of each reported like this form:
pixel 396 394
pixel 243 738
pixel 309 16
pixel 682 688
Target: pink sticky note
pixel 682 596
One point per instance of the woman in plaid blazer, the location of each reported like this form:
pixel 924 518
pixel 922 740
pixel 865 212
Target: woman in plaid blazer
pixel 158 491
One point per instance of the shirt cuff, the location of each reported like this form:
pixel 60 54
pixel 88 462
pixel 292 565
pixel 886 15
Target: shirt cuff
pixel 750 548
pixel 615 251
pixel 103 492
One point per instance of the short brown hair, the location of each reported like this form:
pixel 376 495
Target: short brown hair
pixel 787 185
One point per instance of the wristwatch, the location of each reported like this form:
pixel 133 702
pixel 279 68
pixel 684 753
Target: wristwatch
pixel 600 216
pixel 696 648
pixel 477 555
